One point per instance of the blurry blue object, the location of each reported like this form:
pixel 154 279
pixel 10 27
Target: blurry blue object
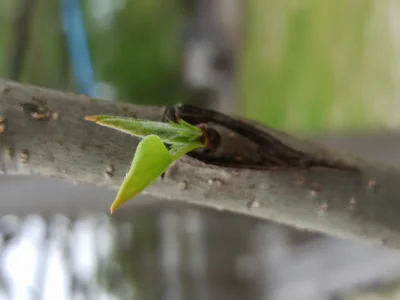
pixel 78 46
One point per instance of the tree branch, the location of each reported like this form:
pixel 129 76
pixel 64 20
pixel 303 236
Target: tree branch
pixel 255 171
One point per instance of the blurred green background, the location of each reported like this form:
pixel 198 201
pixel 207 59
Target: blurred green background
pixel 321 65
pixel 298 65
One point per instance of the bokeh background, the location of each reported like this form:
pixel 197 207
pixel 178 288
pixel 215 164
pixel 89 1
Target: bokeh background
pixel 329 70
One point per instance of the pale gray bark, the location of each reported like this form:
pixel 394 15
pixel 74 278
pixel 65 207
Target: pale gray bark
pixel 361 205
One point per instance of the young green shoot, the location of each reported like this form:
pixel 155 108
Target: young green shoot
pixel 152 158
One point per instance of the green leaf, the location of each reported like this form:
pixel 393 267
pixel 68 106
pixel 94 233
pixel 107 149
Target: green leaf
pixel 151 159
pixel 181 132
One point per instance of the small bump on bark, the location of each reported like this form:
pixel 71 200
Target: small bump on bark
pixel 322 209
pixel 109 172
pixel 352 203
pixel 24 156
pixel 183 185
pixel 55 115
pixel 3 124
pixel 253 204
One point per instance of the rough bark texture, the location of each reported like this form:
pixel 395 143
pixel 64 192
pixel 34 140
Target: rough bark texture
pixel 43 132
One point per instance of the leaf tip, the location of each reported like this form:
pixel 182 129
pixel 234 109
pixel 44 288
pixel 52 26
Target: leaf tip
pixel 114 207
pixel 120 200
pixel 92 118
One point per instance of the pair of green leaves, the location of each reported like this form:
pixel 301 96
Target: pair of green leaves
pixel 152 158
